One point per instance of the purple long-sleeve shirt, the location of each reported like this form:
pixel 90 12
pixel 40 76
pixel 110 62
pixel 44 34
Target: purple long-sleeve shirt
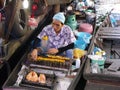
pixel 62 39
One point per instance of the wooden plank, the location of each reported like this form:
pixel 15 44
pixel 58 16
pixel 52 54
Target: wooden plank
pixel 110 37
pixel 102 85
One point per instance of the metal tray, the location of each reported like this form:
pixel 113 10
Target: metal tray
pixel 50 80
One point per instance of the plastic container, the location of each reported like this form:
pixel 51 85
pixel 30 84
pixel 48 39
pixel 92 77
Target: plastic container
pixel 99 62
pixel 95 68
pixel 44 44
pixel 85 27
pixel 77 63
pixel 71 21
pixel 97 59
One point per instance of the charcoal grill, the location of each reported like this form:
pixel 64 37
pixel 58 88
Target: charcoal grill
pixel 51 65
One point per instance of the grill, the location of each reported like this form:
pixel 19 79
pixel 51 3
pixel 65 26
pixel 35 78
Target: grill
pixel 51 67
pixel 51 64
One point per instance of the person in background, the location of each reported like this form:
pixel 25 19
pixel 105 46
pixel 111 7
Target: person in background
pixel 80 6
pixel 60 38
pixel 90 3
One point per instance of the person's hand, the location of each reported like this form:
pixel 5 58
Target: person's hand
pixel 34 54
pixel 52 51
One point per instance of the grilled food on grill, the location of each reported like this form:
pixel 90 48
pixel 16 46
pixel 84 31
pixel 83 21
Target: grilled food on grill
pixel 42 78
pixel 50 59
pixel 53 58
pixel 32 76
pixel 58 57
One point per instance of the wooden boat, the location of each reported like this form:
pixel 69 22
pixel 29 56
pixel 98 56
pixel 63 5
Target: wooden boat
pixel 106 38
pixel 71 81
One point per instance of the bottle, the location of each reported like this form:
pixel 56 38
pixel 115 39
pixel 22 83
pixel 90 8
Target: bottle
pixel 95 68
pixel 113 21
pixel 44 43
pixel 77 63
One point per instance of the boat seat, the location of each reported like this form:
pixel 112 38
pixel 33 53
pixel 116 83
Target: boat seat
pixel 109 32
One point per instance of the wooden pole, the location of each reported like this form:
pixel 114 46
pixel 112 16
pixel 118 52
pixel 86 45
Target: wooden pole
pixel 11 22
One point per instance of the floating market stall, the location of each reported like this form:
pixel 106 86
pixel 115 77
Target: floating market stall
pixel 53 72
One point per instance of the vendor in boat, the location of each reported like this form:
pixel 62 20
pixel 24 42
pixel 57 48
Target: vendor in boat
pixel 60 38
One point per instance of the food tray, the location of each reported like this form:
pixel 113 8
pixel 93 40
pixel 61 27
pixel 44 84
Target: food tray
pixel 50 81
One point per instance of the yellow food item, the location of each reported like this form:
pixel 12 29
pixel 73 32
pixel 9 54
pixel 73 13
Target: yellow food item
pixel 58 57
pixel 100 53
pixel 50 59
pixel 45 38
pixel 78 53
